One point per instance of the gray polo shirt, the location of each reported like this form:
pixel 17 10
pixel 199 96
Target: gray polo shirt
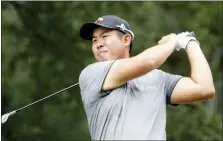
pixel 133 111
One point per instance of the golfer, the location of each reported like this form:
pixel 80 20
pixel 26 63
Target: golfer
pixel 125 98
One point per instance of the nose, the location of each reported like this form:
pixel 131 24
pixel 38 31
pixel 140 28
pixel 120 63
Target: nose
pixel 100 43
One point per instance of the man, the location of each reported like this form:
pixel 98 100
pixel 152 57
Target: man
pixel 125 97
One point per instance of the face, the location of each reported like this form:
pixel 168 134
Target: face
pixel 107 45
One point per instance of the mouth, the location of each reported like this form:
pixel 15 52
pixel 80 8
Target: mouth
pixel 102 53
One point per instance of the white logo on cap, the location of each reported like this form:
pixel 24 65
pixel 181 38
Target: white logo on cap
pixel 122 27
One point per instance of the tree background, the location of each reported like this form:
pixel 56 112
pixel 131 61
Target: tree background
pixel 42 53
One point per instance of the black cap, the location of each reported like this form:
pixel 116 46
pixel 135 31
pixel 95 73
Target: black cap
pixel 108 21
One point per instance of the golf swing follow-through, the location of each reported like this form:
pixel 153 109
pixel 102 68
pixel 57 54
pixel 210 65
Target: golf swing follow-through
pixel 6 116
pixel 126 97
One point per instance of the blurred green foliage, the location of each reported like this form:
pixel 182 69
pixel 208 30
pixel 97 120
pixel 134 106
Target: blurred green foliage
pixel 42 53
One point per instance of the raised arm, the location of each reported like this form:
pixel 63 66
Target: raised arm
pixel 126 69
pixel 199 86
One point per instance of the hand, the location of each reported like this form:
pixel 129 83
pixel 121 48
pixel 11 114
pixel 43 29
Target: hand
pixel 167 38
pixel 184 38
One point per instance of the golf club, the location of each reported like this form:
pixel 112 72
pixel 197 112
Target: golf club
pixel 6 116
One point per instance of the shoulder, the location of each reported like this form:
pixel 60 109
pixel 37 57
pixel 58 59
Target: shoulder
pixel 95 71
pixel 158 76
pixel 96 67
pixel 88 67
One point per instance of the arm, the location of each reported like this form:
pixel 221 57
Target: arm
pixel 199 86
pixel 126 69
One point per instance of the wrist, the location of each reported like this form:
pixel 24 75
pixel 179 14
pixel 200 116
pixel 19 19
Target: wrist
pixel 192 44
pixel 174 43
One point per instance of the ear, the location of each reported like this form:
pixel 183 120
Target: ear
pixel 127 39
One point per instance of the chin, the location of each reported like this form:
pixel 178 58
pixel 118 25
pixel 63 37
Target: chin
pixel 103 59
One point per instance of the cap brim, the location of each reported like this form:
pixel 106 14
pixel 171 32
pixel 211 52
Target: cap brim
pixel 86 31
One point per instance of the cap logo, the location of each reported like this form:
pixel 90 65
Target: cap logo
pixel 122 26
pixel 99 20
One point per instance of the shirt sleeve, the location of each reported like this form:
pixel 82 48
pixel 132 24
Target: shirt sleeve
pixel 170 82
pixel 91 80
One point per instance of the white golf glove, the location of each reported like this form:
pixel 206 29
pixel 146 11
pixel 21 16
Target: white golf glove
pixel 184 38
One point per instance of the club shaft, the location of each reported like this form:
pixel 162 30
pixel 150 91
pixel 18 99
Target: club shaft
pixel 46 97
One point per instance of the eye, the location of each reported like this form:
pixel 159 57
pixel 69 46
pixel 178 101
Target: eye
pixel 94 40
pixel 104 36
